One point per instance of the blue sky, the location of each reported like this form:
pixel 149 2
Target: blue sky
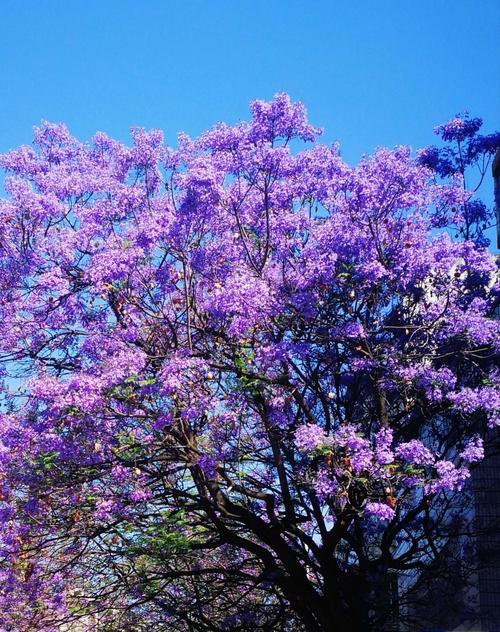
pixel 370 72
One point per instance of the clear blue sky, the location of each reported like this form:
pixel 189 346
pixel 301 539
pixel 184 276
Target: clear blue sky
pixel 371 72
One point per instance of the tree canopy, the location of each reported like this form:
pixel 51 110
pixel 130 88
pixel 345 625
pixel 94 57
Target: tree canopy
pixel 241 378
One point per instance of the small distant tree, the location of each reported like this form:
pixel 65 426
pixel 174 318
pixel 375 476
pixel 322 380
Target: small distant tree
pixel 240 380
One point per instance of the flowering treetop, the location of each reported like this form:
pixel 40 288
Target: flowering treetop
pixel 258 366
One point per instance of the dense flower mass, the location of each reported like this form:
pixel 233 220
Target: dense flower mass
pixel 415 452
pixel 379 510
pixel 473 451
pixel 309 437
pixel 236 371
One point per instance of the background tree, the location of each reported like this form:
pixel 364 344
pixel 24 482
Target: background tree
pixel 240 380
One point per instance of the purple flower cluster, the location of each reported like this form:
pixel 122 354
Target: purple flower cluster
pixel 309 437
pixel 358 448
pixel 208 464
pixel 449 478
pixel 469 400
pixel 325 485
pixel 473 451
pixel 383 442
pixel 459 128
pixel 415 452
pixel 379 510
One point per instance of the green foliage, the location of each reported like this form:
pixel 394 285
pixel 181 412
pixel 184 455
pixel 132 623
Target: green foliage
pixel 165 537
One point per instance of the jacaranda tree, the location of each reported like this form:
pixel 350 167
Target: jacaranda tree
pixel 240 378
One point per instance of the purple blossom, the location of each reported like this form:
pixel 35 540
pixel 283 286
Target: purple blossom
pixel 325 485
pixel 450 478
pixel 208 464
pixel 383 442
pixel 469 400
pixel 309 437
pixel 415 452
pixel 140 494
pixel 105 508
pixel 473 451
pixel 459 128
pixel 361 454
pixel 379 510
